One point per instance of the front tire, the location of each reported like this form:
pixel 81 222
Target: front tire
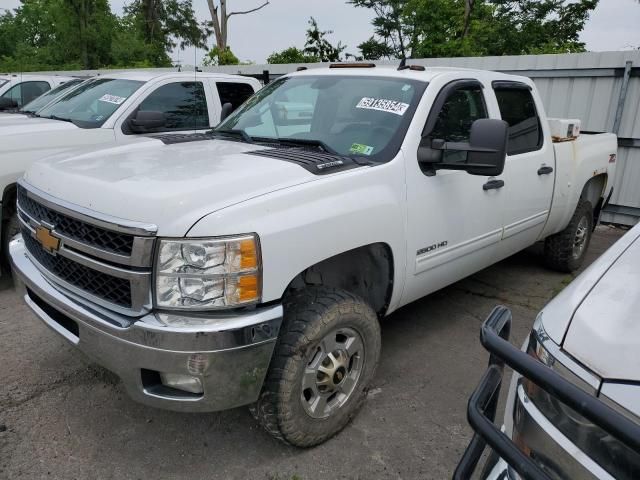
pixel 565 251
pixel 9 230
pixel 324 360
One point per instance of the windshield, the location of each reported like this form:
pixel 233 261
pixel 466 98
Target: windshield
pixel 91 104
pixel 348 115
pixel 47 97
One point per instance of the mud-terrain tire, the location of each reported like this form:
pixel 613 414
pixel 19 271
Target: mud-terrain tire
pixel 10 228
pixel 324 360
pixel 565 251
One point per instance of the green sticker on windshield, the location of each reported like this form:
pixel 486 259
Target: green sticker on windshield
pixel 361 149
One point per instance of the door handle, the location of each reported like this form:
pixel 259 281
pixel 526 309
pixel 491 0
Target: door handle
pixel 493 184
pixel 545 170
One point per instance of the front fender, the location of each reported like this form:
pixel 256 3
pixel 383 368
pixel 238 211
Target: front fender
pixel 305 224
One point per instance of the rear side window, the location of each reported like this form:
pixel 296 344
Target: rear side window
pixel 518 109
pixel 24 92
pixel 234 93
pixel 183 103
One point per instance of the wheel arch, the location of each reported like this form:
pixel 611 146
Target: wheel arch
pixel 9 196
pixel 366 271
pixel 594 192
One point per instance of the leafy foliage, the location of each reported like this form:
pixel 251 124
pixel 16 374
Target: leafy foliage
pixel 217 57
pixel 291 55
pixel 319 47
pixel 76 34
pixel 450 28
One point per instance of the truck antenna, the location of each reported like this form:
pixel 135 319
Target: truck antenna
pixel 403 64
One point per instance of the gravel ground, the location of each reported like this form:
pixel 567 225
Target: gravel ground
pixel 62 417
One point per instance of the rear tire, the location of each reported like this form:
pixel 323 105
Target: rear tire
pixel 325 358
pixel 565 251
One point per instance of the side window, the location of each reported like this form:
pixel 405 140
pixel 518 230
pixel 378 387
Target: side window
pixel 234 93
pixel 24 92
pixel 183 103
pixel 461 109
pixel 518 109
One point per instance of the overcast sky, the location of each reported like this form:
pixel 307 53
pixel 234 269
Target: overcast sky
pixel 614 25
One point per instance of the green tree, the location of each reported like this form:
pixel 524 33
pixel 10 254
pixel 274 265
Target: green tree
pixel 373 49
pixel 164 25
pixel 319 47
pixel 440 28
pixel 291 55
pixel 217 57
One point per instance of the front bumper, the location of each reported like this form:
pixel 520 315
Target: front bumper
pixel 229 354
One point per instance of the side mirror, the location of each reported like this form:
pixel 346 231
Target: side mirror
pixel 147 121
pixel 227 108
pixel 8 103
pixel 486 150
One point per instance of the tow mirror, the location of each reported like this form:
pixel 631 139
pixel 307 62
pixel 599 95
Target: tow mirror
pixel 8 103
pixel 147 121
pixel 227 108
pixel 485 153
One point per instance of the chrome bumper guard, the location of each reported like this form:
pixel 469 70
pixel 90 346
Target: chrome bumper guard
pixel 481 410
pixel 229 354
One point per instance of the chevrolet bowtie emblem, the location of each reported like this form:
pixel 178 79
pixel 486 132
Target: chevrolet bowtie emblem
pixel 50 243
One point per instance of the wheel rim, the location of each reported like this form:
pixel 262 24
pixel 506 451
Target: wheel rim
pixel 580 239
pixel 332 372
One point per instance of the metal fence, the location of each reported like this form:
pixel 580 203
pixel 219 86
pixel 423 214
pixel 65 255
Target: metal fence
pixel 601 89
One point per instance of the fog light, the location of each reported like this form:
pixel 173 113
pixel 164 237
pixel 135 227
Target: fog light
pixel 179 381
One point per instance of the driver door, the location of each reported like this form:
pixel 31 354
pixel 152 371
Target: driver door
pixel 454 220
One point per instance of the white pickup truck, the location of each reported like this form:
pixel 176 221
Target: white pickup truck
pixel 17 90
pixel 110 110
pixel 251 265
pixel 22 113
pixel 573 408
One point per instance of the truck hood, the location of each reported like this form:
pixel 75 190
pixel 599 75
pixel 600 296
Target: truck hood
pixel 171 186
pixel 14 117
pixel 25 124
pixel 598 313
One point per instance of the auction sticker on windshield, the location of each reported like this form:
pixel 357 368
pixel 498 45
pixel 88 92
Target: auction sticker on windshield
pixel 112 99
pixel 383 105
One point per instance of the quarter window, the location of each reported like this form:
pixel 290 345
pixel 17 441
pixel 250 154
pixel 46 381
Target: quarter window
pixel 463 107
pixel 233 93
pixel 183 103
pixel 24 92
pixel 518 109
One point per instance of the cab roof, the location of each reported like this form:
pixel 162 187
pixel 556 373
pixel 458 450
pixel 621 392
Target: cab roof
pixel 426 75
pixel 148 75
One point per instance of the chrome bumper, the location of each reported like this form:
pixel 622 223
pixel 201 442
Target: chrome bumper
pixel 230 354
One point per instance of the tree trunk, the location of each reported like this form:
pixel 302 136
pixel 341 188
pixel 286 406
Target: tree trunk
pixel 468 8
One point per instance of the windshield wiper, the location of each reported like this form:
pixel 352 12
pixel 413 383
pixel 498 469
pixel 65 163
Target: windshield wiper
pixel 303 142
pixel 241 134
pixel 62 119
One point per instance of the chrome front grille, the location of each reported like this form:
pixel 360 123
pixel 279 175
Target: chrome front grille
pixel 104 260
pixel 112 289
pixel 115 242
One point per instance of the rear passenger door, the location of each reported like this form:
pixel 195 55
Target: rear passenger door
pixel 235 93
pixel 529 168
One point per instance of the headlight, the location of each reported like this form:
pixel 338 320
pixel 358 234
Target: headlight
pixel 204 274
pixel 615 457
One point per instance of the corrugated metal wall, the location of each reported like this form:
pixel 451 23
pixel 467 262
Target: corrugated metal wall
pixel 587 86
